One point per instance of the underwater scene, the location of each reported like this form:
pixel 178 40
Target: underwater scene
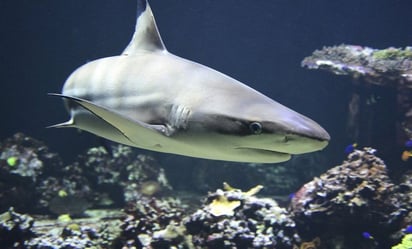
pixel 206 124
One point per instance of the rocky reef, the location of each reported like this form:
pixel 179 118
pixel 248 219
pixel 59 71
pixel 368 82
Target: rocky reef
pixel 15 229
pixel 353 198
pixel 154 223
pixel 231 218
pixel 24 163
pixel 228 218
pixel 122 175
pixel 353 205
pixel 34 179
pixel 382 87
pixel 386 67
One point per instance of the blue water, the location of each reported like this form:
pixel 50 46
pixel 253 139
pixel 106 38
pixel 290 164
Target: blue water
pixel 261 43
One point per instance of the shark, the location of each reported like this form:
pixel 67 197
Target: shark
pixel 149 98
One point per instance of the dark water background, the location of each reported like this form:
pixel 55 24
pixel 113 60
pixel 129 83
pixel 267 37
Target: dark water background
pixel 260 43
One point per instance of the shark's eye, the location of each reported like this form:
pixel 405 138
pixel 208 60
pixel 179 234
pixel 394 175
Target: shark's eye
pixel 255 127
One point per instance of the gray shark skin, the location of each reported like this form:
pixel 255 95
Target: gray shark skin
pixel 149 98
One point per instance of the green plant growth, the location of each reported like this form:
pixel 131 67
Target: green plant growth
pixel 406 242
pixel 393 54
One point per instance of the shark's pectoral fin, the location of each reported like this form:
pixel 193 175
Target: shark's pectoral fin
pixel 136 132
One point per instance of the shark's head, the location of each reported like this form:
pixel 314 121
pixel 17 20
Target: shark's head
pixel 261 131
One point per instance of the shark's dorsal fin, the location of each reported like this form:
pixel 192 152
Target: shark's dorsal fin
pixel 146 36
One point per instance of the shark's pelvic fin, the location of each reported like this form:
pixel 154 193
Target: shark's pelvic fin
pixel 146 35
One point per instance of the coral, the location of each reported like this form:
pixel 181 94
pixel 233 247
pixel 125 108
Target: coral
pixel 405 187
pixel 26 157
pixel 357 194
pixel 24 163
pixel 393 54
pixel 222 206
pixel 144 172
pixel 80 237
pixel 12 161
pixel 388 67
pixel 247 222
pixel 154 223
pixel 101 178
pixel 123 172
pixel 15 228
pixel 99 230
pixel 32 178
pixel 64 218
pixel 373 69
pixel 68 192
pixel 405 244
pixel 359 185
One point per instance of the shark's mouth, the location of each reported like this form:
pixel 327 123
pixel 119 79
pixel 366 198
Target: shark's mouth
pixel 263 155
pixel 264 152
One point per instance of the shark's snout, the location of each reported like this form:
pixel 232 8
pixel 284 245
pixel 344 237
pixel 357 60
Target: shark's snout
pixel 303 135
pixel 306 127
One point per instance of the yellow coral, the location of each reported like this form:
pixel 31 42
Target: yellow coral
pixel 222 206
pixel 227 187
pixel 250 192
pixel 12 161
pixel 62 193
pixel 73 227
pixel 254 190
pixel 64 218
pixel 406 242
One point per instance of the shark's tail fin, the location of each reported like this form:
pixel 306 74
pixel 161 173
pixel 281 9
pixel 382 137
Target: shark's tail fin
pixel 67 124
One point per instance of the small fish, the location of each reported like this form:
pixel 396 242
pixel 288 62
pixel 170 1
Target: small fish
pixel 367 235
pixel 406 155
pixel 408 144
pixel 350 148
pixel 291 196
pixel 408 229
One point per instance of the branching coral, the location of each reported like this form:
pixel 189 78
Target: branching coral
pixel 231 218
